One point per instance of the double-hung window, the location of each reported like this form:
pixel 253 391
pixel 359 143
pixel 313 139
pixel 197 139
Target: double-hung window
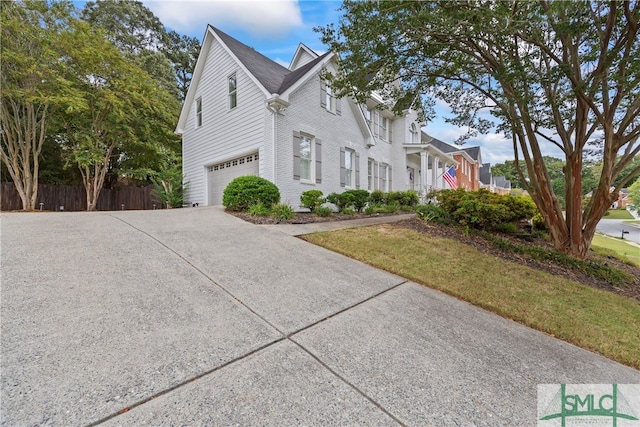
pixel 233 91
pixel 306 158
pixel 198 112
pixel 370 175
pixel 307 165
pixel 348 167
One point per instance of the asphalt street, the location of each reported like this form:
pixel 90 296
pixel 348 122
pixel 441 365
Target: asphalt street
pixel 615 227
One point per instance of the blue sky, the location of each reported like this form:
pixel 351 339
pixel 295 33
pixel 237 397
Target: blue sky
pixel 276 27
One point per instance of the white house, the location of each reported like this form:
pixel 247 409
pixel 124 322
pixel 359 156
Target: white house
pixel 246 114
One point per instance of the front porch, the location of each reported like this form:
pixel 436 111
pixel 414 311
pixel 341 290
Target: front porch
pixel 425 167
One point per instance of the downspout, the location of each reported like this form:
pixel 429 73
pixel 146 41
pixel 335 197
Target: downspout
pixel 277 106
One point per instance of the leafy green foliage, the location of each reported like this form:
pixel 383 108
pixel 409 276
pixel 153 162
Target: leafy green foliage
pixel 535 66
pixel 168 187
pixel 259 210
pixel 282 212
pixel 358 199
pixel 403 198
pixel 634 195
pixel 435 213
pixel 378 197
pixel 484 210
pixel 245 191
pixel 323 211
pixel 311 199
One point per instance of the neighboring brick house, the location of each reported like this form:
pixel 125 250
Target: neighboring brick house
pixel 246 114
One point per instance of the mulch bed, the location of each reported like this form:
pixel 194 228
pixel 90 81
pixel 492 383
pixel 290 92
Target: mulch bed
pixel 483 245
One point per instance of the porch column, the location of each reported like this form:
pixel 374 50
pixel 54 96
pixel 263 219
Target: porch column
pixel 434 173
pixel 424 168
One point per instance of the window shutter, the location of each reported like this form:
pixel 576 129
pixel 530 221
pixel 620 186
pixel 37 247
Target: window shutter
pixel 338 106
pixel 318 161
pixel 390 177
pixel 357 160
pixel 323 94
pixel 390 124
pixel 376 184
pixel 296 155
pixel 342 171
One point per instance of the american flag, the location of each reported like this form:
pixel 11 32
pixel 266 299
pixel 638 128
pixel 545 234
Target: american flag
pixel 450 177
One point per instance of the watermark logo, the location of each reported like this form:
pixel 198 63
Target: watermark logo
pixel 575 405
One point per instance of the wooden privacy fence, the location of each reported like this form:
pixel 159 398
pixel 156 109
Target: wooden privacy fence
pixel 74 198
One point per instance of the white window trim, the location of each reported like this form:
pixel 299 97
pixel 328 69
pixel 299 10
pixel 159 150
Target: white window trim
pixel 349 171
pixel 199 112
pixel 232 93
pixel 312 159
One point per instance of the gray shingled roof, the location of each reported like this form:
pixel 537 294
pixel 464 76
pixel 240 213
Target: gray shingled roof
pixel 274 77
pixel 485 173
pixel 474 152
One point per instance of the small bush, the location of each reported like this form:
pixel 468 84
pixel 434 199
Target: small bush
pixel 538 222
pixel 282 212
pixel 259 210
pixel 356 198
pixel 507 228
pixel 371 209
pixel 403 198
pixel 378 197
pixel 311 199
pixel 348 211
pixel 323 211
pixel 246 191
pixel 433 213
pixel 485 210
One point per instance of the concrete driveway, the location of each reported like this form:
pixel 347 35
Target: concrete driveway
pixel 194 317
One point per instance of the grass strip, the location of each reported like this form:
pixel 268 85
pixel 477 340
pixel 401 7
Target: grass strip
pixel 587 317
pixel 611 246
pixel 618 214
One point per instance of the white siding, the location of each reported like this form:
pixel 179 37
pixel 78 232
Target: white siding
pixel 225 133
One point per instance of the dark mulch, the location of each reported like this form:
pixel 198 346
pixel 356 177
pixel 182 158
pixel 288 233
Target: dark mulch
pixel 303 218
pixel 485 246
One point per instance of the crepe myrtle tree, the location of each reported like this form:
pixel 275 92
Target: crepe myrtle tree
pixel 565 73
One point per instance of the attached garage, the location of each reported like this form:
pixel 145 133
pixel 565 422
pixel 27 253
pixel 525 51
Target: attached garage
pixel 221 174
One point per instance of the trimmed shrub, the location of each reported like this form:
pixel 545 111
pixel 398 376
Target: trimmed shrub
pixel 378 197
pixel 311 199
pixel 433 213
pixel 403 198
pixel 245 191
pixel 356 198
pixel 483 209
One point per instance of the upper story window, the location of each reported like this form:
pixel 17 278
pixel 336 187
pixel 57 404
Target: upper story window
pixel 328 99
pixel 381 126
pixel 198 112
pixel 233 91
pixel 413 134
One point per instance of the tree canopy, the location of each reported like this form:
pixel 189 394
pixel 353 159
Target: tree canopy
pixel 565 73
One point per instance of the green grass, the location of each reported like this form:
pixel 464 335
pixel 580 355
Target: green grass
pixel 626 252
pixel 591 318
pixel 618 214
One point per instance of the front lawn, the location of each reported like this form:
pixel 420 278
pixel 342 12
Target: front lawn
pixel 606 245
pixel 618 214
pixel 592 318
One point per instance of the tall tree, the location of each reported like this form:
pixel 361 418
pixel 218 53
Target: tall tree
pixel 138 34
pixel 32 87
pixel 119 109
pixel 183 53
pixel 562 72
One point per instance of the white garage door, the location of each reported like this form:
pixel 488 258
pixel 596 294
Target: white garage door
pixel 222 174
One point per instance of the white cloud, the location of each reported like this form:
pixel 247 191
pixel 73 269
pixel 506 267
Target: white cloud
pixel 268 19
